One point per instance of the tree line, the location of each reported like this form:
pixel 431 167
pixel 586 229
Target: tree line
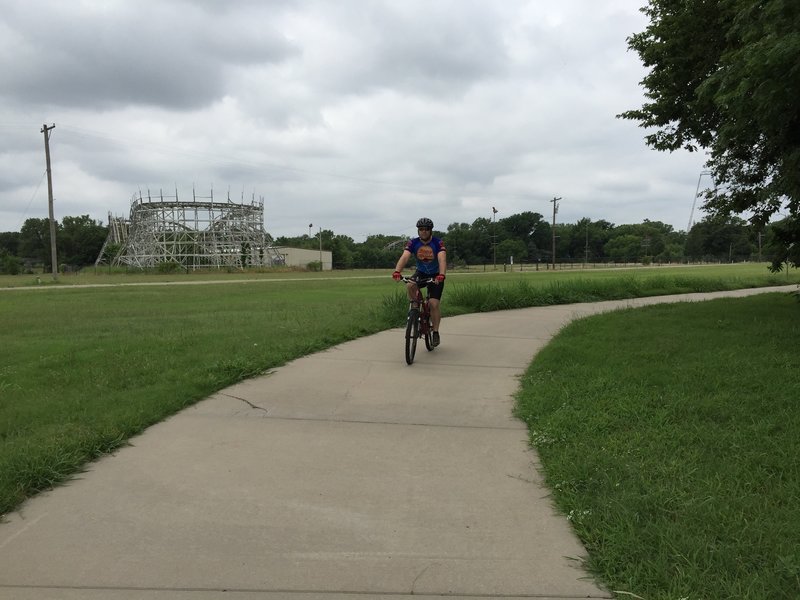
pixel 521 238
pixel 78 242
pixel 528 238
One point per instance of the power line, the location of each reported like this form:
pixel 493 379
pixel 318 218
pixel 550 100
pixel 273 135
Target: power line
pixel 36 191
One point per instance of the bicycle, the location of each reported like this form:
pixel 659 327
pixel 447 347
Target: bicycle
pixel 418 323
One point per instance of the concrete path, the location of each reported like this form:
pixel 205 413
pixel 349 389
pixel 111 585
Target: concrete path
pixel 341 476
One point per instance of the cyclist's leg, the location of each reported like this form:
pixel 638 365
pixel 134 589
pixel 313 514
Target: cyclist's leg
pixel 413 288
pixel 434 298
pixel 412 291
pixel 436 314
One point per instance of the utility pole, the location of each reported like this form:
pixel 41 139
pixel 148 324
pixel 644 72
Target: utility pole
pixel 46 132
pixel 555 210
pixel 320 250
pixel 586 249
pixel 494 239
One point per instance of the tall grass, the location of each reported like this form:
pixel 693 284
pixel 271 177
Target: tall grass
pixel 669 437
pixel 479 297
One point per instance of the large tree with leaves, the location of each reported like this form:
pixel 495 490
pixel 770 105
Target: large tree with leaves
pixel 725 77
pixel 34 241
pixel 717 237
pixel 79 240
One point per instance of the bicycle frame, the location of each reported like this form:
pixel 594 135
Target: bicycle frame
pixel 418 323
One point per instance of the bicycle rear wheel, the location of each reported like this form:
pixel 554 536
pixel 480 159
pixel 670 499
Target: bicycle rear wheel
pixel 412 332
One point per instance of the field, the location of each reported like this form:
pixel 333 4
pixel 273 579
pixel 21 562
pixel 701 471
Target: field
pixel 83 368
pixel 104 276
pixel 669 436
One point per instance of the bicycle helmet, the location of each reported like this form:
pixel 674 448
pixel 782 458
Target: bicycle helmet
pixel 425 222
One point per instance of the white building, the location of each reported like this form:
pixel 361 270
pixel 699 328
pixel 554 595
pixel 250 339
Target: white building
pixel 301 257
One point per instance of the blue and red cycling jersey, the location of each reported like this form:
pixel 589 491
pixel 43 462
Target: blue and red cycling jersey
pixel 426 254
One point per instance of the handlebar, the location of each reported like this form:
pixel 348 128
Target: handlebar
pixel 423 281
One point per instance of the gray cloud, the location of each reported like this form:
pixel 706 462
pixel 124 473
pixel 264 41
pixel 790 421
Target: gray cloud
pixel 151 53
pixel 355 115
pixel 433 47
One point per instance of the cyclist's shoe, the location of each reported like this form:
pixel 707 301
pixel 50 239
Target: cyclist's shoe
pixel 435 338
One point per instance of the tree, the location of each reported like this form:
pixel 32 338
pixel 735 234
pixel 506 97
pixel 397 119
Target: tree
pixel 781 245
pixel 469 243
pixel 719 238
pixel 511 248
pixel 725 77
pixel 570 242
pixel 308 242
pixel 9 263
pixel 647 240
pixel 522 227
pixel 624 248
pixel 9 241
pixel 79 240
pixel 342 250
pixel 34 241
pixel 583 241
pixel 542 242
pixel 378 252
pixel 599 234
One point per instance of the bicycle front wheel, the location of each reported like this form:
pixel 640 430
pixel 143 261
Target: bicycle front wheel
pixel 412 332
pixel 428 335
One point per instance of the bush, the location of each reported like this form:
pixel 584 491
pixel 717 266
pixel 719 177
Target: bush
pixel 10 264
pixel 170 266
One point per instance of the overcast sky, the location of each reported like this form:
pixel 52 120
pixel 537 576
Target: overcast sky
pixel 357 116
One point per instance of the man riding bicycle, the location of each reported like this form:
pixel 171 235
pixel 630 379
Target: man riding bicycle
pixel 431 263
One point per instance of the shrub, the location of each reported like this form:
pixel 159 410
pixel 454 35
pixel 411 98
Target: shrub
pixel 10 264
pixel 169 266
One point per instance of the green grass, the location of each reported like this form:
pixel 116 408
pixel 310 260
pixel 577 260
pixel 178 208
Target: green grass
pixel 84 368
pixel 104 276
pixel 669 436
pixel 488 293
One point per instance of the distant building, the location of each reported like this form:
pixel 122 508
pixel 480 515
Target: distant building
pixel 301 257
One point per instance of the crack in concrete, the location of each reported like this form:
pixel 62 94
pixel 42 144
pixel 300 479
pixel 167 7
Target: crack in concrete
pixel 250 404
pixel 421 573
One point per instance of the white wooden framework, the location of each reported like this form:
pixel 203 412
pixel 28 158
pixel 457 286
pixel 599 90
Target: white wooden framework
pixel 200 234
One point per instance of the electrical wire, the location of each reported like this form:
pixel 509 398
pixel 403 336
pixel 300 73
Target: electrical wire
pixel 36 191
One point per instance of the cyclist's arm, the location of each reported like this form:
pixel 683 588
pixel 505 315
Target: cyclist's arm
pixel 442 257
pixel 401 262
